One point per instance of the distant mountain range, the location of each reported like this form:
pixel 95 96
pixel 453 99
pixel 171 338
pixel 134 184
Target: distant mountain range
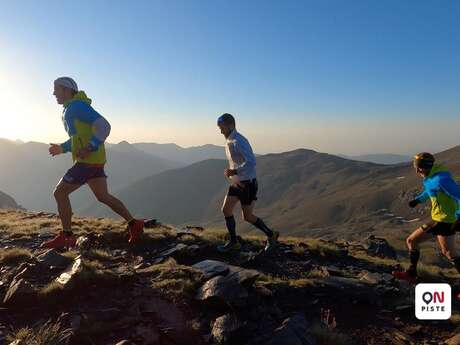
pixel 380 158
pixel 184 156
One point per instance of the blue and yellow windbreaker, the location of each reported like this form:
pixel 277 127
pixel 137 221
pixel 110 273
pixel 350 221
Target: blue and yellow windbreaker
pixel 86 128
pixel 444 193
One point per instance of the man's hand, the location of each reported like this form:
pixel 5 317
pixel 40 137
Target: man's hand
pixel 55 150
pixel 230 172
pixel 84 153
pixel 414 203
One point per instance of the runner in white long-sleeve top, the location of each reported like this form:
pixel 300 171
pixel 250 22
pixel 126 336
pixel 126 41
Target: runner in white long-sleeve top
pixel 243 188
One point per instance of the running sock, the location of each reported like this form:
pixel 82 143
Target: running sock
pixel 231 226
pixel 259 224
pixel 414 256
pixel 456 262
pixel 67 232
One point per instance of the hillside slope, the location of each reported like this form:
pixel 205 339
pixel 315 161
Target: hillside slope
pixel 7 201
pixel 302 192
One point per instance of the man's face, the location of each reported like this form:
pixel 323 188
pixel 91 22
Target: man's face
pixel 62 94
pixel 226 129
pixel 421 172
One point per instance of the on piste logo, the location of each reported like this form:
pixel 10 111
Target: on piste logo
pixel 433 301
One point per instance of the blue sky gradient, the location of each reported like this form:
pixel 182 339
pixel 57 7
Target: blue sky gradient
pixel 338 76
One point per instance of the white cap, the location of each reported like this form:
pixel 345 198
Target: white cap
pixel 67 82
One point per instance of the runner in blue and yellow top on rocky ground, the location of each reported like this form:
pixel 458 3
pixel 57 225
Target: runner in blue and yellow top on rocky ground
pixel 88 131
pixel 444 193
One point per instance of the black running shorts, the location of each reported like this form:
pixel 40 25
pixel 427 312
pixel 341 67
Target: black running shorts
pixel 245 191
pixel 439 228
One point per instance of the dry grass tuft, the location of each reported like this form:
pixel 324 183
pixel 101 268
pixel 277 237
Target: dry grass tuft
pixel 50 333
pixel 176 282
pixel 14 256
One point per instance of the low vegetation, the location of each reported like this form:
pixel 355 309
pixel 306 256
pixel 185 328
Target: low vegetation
pixel 14 256
pixel 175 282
pixel 50 333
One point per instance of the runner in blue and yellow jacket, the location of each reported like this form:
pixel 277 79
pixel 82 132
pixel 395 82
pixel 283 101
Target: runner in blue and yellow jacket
pixel 444 193
pixel 87 131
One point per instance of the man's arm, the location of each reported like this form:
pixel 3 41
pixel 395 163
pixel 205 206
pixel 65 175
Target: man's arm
pixel 101 130
pixel 85 113
pixel 66 146
pixel 449 187
pixel 249 158
pixel 422 197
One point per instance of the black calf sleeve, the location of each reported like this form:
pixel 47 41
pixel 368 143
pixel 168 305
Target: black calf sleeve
pixel 231 227
pixel 259 224
pixel 414 256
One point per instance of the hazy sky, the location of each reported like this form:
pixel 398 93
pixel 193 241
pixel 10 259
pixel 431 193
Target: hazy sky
pixel 336 76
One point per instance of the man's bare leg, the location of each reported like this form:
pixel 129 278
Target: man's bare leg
pixel 65 239
pixel 413 242
pixel 61 194
pixel 101 192
pixel 447 245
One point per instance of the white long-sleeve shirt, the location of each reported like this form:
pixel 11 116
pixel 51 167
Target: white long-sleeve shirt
pixel 240 157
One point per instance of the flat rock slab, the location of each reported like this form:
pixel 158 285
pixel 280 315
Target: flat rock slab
pixel 178 248
pixel 52 258
pixel 212 268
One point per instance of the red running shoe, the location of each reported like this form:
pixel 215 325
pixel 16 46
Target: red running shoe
pixel 405 275
pixel 61 241
pixel 136 229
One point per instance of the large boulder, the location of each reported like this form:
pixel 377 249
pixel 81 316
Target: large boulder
pixel 229 289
